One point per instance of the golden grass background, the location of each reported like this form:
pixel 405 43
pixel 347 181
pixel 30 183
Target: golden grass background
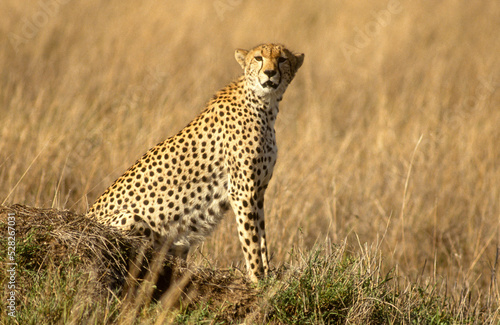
pixel 389 135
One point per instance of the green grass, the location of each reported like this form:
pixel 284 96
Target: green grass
pixel 51 290
pixel 338 289
pixel 198 314
pixel 60 294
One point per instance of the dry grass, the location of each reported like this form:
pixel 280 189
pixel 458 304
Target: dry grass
pixel 389 138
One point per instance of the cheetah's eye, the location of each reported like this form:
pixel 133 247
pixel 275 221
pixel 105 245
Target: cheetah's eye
pixel 258 58
pixel 281 59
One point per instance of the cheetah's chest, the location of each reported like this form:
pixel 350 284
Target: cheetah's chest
pixel 252 146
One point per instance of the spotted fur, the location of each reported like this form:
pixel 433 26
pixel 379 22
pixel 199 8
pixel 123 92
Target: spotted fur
pixel 180 189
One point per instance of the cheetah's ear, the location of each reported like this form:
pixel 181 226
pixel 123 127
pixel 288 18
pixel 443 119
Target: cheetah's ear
pixel 299 59
pixel 240 56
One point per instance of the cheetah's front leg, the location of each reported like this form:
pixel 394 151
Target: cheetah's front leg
pixel 249 213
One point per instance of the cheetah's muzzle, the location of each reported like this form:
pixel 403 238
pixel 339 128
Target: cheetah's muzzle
pixel 270 84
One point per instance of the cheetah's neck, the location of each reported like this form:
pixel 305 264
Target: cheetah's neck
pixel 268 103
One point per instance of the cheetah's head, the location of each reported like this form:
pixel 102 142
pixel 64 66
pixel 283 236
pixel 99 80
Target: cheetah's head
pixel 269 68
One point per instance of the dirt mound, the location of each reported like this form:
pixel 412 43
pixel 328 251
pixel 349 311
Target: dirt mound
pixel 48 238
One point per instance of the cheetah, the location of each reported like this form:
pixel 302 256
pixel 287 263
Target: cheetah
pixel 181 188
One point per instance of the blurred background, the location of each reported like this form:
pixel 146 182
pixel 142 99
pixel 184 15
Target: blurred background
pixel 389 136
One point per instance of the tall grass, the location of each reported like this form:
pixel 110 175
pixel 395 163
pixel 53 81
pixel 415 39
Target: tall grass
pixel 389 133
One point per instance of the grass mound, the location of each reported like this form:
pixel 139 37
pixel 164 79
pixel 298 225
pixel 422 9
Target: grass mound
pixel 50 238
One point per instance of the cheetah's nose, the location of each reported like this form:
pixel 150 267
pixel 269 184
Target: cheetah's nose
pixel 270 73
